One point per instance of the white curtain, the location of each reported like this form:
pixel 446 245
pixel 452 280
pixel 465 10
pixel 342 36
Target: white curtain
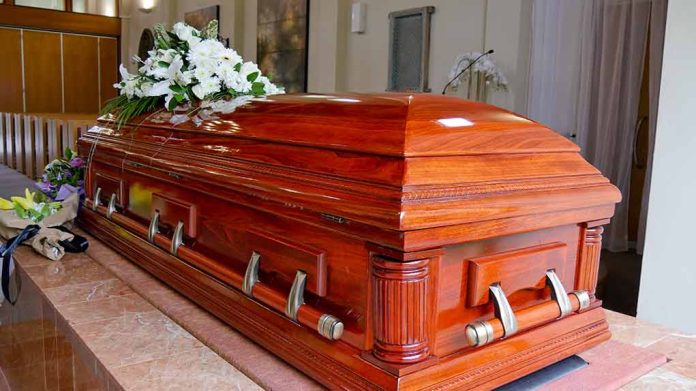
pixel 597 48
pixel 658 20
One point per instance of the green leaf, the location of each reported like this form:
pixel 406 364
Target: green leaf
pixel 252 76
pixel 179 98
pixel 172 104
pixel 163 64
pixel 20 211
pixel 68 153
pixel 177 88
pixel 238 67
pixel 257 88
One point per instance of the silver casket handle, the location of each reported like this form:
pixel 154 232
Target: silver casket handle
pixel 480 333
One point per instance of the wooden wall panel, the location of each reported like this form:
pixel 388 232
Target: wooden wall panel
pixel 69 22
pixel 42 72
pixel 108 62
pixel 11 71
pixel 80 73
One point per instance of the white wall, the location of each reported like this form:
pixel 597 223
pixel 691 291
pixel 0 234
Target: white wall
pixel 457 26
pixel 668 277
pixel 343 61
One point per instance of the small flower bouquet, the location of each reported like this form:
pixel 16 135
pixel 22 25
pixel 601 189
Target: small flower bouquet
pixel 35 209
pixel 31 206
pixel 64 176
pixel 190 72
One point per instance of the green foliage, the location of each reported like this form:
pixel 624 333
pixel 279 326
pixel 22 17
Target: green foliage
pixel 210 31
pixel 124 109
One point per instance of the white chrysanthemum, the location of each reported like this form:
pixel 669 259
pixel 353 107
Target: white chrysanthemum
pixel 206 87
pixel 238 83
pixel 230 57
pixel 206 54
pixel 187 33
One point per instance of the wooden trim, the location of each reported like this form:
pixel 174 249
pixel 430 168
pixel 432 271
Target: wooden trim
pixel 52 20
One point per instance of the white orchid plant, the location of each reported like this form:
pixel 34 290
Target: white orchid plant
pixel 485 67
pixel 190 72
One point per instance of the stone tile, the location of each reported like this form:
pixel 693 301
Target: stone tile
pixel 111 307
pixel 27 257
pixel 60 273
pixel 134 338
pixel 633 331
pixel 197 369
pixel 681 350
pixel 661 379
pixel 90 291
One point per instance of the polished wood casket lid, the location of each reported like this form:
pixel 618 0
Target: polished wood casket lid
pixel 396 161
pixel 392 124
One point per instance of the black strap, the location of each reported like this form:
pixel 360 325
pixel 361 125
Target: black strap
pixel 6 251
pixel 78 244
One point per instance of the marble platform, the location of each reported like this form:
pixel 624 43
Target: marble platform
pixel 97 321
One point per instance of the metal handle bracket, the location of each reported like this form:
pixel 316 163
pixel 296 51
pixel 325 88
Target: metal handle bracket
pixel 503 310
pixel 558 293
pixel 153 229
pixel 95 200
pixel 251 276
pixel 296 296
pixel 178 238
pixel 111 208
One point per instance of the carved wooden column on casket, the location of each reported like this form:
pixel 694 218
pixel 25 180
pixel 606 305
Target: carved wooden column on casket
pixel 402 294
pixel 589 259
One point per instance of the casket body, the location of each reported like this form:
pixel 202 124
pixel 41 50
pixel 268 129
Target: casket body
pixel 431 234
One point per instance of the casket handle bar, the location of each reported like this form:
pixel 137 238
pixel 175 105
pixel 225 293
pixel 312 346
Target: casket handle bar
pixel 177 239
pixel 328 326
pixel 153 229
pixel 480 333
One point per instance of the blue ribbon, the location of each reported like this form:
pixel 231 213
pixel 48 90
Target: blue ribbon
pixel 6 251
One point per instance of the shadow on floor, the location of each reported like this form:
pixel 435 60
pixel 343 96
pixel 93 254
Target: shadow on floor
pixel 618 282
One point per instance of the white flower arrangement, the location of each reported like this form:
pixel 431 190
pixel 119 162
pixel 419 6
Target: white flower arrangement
pixel 188 70
pixel 485 67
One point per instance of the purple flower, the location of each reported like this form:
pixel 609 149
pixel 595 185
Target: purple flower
pixel 65 191
pixel 45 186
pixel 76 162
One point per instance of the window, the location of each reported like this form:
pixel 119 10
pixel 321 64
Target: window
pixel 50 4
pixel 97 7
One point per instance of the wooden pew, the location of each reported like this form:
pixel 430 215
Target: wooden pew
pixel 29 141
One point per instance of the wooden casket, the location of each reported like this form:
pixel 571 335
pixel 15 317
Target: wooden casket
pixel 386 241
